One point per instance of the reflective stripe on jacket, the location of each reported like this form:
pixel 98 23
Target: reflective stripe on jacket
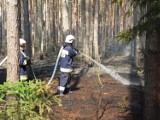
pixel 66 59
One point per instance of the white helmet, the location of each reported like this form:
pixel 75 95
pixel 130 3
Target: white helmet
pixel 22 41
pixel 69 39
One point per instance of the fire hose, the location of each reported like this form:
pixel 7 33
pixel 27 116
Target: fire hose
pixel 55 67
pixel 57 60
pixel 3 61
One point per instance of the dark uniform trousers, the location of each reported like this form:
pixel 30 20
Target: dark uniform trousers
pixel 64 82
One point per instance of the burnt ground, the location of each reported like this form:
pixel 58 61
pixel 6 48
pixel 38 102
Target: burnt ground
pixel 89 99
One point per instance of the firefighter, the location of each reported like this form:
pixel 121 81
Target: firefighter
pixel 24 61
pixel 66 65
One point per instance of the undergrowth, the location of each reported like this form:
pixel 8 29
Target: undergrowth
pixel 32 101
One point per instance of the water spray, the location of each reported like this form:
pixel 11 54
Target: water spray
pixel 94 61
pixel 111 72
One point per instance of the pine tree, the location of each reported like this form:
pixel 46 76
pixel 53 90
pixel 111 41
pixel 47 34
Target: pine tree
pixel 12 40
pixel 149 24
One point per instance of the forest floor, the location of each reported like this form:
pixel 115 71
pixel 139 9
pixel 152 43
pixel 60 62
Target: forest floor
pixel 92 99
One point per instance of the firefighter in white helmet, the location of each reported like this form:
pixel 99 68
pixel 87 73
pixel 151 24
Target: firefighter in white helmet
pixel 66 65
pixel 24 60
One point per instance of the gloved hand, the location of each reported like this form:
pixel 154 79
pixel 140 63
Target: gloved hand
pixel 28 60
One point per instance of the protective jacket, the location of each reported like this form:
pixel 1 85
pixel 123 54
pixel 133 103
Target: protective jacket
pixel 66 59
pixel 23 66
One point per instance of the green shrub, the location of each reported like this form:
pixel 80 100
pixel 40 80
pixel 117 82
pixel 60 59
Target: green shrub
pixel 32 101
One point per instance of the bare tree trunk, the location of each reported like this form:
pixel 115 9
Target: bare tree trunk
pixel 4 26
pixel 77 20
pixel 69 8
pixel 1 27
pixel 87 25
pixel 32 29
pixel 104 29
pixel 55 26
pixel 91 32
pixel 36 41
pixel 47 24
pixel 27 34
pixel 83 25
pixel 39 26
pixel 60 25
pixel 74 17
pixel 65 15
pixel 96 47
pixel 27 28
pixel 79 27
pixel 138 40
pixel 43 3
pixel 12 40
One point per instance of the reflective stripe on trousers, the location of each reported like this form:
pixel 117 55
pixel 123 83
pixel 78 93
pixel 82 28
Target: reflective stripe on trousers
pixel 66 70
pixel 61 88
pixel 64 81
pixel 23 78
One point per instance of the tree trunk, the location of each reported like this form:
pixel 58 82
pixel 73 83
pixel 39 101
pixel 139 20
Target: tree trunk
pixel 4 26
pixel 87 27
pixel 12 40
pixel 74 18
pixel 27 36
pixel 83 25
pixel 36 38
pixel 43 5
pixel 69 8
pixel 60 21
pixel 79 43
pixel 104 30
pixel 54 24
pixel 137 52
pixel 152 74
pixel 91 32
pixel 27 28
pixel 47 25
pixel 152 68
pixel 0 27
pixel 65 21
pixel 95 42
